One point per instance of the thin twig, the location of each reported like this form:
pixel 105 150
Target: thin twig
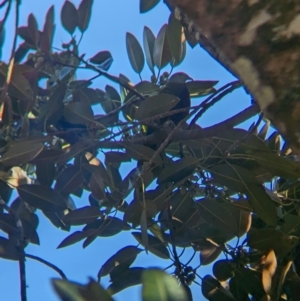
pixel 48 264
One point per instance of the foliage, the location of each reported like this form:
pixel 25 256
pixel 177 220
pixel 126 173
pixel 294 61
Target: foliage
pixel 211 185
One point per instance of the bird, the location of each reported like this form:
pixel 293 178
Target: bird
pixel 176 85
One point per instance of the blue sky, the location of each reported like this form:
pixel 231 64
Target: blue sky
pixel 111 19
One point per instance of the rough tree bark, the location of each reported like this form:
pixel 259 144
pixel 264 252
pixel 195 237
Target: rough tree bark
pixel 259 42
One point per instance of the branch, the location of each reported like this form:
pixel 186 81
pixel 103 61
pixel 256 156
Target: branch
pixel 48 264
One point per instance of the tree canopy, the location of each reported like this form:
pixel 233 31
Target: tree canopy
pixel 219 190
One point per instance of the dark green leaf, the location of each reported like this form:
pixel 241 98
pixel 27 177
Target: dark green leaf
pixel 72 239
pixel 42 197
pixel 141 152
pixel 156 105
pixel 84 14
pixel 125 256
pixel 17 154
pixel 146 5
pixel 69 180
pixel 175 37
pixel 241 180
pixel 45 172
pixel 128 278
pixel 8 249
pixel 103 60
pixel 79 113
pixel 178 170
pixel 48 31
pixel 69 17
pixel 162 55
pixel 155 246
pixel 209 254
pixel 82 216
pixel 135 53
pixel 199 88
pixel 148 42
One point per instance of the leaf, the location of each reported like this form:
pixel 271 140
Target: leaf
pixel 97 186
pixel 135 53
pixel 79 113
pixel 45 172
pixel 33 29
pixel 175 32
pixel 240 180
pixel 72 239
pixel 41 197
pixel 146 5
pixel 162 55
pixel 69 17
pixel 52 106
pixel 140 152
pixel 69 180
pixel 128 278
pixel 17 154
pixel 48 31
pixel 209 254
pixel 125 256
pixel 264 239
pixel 199 88
pixel 155 246
pixel 82 216
pixel 213 290
pixel 277 165
pixel 217 215
pixel 16 176
pixel 8 249
pixel 156 105
pixel 103 60
pixel 148 43
pixel 108 227
pixel 178 170
pixel 84 14
pixel 72 291
pixel 7 224
pixel 116 157
pixel 268 271
pixel 223 269
pixel 19 86
pixel 159 286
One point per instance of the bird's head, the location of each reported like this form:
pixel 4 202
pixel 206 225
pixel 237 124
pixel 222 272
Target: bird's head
pixel 179 77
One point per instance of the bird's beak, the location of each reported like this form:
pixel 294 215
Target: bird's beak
pixel 189 79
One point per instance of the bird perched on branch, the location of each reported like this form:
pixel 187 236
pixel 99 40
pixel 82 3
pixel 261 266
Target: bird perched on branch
pixel 176 85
